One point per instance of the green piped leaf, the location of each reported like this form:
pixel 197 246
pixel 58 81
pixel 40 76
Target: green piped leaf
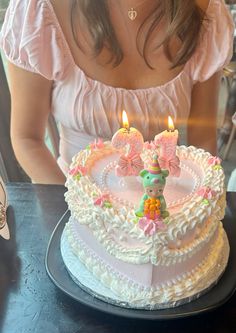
pixel 217 167
pixel 205 202
pixel 135 220
pixel 78 176
pixel 107 204
pixel 166 220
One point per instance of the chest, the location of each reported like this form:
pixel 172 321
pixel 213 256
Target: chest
pixel 134 71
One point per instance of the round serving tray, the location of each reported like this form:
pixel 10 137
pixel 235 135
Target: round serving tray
pixel 217 296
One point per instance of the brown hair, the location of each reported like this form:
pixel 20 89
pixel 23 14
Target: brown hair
pixel 184 20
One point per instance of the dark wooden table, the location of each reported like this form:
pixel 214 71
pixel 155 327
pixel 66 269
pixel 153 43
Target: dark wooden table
pixel 29 301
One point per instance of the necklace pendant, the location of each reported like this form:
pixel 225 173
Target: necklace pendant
pixel 132 14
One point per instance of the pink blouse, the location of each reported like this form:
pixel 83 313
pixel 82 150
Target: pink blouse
pixel 31 38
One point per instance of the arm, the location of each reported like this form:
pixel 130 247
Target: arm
pixel 202 122
pixel 31 103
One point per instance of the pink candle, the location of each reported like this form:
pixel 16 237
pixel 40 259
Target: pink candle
pixel 128 136
pixel 167 140
pixel 130 140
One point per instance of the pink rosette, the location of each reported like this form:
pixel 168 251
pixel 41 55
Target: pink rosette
pixel 206 193
pixel 129 165
pixel 97 144
pixel 214 160
pixel 150 227
pixel 101 200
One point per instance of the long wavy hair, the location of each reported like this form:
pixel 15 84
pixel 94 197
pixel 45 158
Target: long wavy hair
pixel 184 20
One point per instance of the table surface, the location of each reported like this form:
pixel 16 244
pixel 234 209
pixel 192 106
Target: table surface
pixel 30 302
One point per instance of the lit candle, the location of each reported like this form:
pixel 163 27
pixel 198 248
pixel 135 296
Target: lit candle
pixel 167 141
pixel 128 136
pixel 130 140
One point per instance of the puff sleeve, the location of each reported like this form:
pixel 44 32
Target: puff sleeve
pixel 31 39
pixel 215 46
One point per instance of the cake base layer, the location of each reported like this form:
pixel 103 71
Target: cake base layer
pixel 82 275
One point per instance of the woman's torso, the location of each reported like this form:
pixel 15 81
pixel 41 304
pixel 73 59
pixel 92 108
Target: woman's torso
pixel 88 104
pixel 88 97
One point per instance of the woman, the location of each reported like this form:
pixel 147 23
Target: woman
pixel 87 60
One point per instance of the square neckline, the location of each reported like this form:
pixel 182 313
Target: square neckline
pixel 103 85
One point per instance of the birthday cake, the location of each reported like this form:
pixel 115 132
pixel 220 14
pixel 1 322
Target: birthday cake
pixel 145 229
pixel 141 236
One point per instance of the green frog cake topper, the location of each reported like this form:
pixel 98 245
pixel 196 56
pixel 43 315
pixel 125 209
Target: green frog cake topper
pixel 153 204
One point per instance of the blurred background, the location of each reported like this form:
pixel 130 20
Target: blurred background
pixel 11 171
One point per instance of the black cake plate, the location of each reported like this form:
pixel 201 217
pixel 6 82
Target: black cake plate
pixel 215 297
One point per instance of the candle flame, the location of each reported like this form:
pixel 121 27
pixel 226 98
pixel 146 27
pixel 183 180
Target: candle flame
pixel 125 120
pixel 171 126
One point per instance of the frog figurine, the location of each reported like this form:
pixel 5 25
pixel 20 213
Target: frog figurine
pixel 152 204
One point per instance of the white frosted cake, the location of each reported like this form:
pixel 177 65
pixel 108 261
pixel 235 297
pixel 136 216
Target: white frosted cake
pixel 112 255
